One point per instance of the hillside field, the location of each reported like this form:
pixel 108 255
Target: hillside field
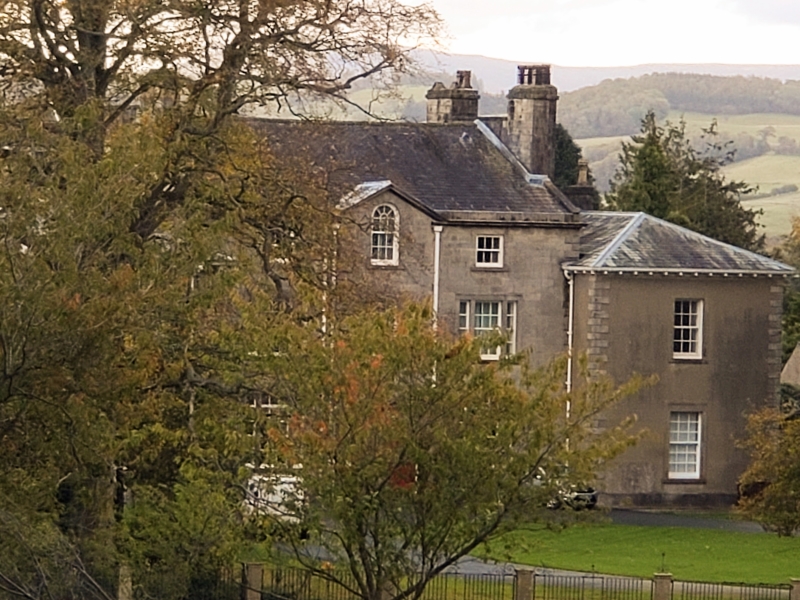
pixel 788 125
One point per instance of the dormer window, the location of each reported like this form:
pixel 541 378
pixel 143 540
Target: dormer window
pixel 489 251
pixel 384 236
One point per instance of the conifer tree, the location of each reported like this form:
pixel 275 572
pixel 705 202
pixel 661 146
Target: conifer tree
pixel 662 174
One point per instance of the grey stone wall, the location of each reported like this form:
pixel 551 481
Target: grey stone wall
pixel 412 277
pixel 625 324
pixel 531 275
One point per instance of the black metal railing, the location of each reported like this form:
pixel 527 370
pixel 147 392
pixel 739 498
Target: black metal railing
pixel 286 583
pixel 696 590
pixel 454 586
pixel 591 587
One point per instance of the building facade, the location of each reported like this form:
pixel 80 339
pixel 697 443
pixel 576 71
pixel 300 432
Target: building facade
pixel 461 210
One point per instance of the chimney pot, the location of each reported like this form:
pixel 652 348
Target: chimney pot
pixel 583 172
pixel 532 119
pixel 464 79
pixel 459 102
pixel 533 75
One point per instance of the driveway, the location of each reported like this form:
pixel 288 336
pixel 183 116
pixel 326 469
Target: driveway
pixel 651 518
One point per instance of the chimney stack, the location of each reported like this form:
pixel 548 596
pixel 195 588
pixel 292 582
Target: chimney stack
pixel 459 102
pixel 532 119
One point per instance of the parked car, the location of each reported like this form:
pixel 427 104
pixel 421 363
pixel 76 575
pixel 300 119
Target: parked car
pixel 576 497
pixel 277 494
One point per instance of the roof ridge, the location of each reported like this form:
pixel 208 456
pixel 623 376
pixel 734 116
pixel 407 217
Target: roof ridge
pixel 495 140
pixel 733 247
pixel 530 178
pixel 349 123
pixel 620 238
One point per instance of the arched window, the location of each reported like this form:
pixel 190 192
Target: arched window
pixel 384 235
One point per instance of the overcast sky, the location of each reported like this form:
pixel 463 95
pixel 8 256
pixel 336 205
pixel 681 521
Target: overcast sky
pixel 625 32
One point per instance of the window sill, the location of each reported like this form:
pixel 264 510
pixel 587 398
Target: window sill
pixel 389 266
pixel 476 269
pixel 696 481
pixel 678 360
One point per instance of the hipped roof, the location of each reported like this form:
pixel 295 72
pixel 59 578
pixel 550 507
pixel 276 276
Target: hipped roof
pixel 638 242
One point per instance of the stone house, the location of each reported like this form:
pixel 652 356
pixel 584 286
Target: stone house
pixel 462 210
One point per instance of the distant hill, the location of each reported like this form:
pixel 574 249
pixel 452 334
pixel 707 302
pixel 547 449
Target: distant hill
pixel 497 75
pixel 616 106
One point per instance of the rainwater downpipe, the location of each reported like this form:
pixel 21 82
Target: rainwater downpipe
pixel 437 252
pixel 570 335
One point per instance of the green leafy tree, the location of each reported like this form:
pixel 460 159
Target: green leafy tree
pixel 771 484
pixel 661 173
pixel 789 252
pixel 412 452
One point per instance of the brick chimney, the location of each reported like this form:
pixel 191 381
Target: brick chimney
pixel 459 102
pixel 532 119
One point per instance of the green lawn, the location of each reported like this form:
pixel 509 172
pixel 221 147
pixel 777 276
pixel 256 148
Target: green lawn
pixel 689 554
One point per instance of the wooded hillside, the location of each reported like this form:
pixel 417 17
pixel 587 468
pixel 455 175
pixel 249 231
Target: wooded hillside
pixel 616 107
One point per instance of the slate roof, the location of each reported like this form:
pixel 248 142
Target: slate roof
pixel 628 241
pixel 454 170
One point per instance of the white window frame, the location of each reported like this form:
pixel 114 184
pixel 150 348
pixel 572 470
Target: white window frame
pixel 472 318
pixel 482 252
pixel 464 312
pixel 685 444
pixel 510 326
pixel 687 329
pixel 484 322
pixel 388 239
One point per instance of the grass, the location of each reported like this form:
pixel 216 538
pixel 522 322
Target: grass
pixel 778 213
pixel 767 171
pixel 689 554
pixel 788 125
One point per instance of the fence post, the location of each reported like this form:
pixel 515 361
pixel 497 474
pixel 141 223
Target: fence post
pixel 794 593
pixel 252 579
pixel 662 586
pixel 125 591
pixel 524 587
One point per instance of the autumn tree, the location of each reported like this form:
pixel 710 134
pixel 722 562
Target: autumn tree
pixel 661 173
pixel 112 378
pixel 143 230
pixel 90 63
pixel 411 452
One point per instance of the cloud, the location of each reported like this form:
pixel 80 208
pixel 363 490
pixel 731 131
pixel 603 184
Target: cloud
pixel 626 32
pixel 518 8
pixel 784 12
